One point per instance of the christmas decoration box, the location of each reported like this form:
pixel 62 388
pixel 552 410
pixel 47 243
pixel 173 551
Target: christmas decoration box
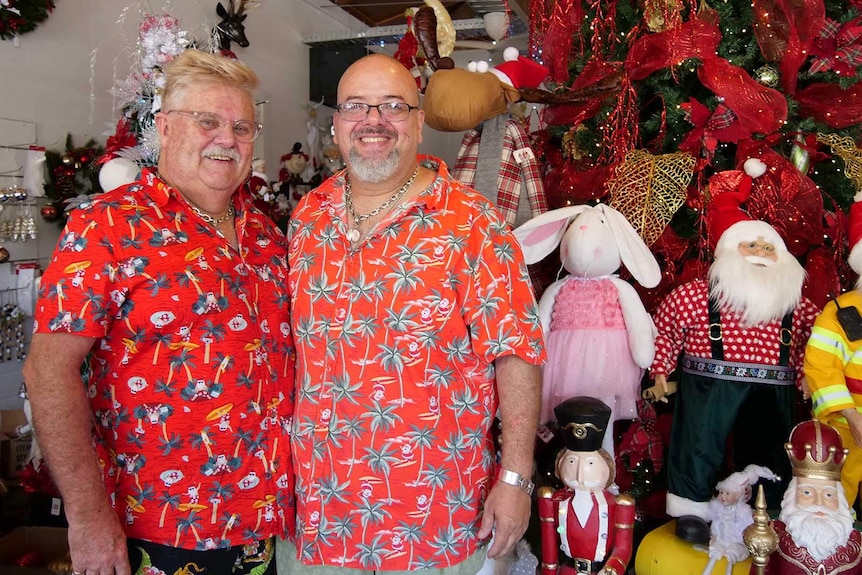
pixel 14 448
pixel 35 551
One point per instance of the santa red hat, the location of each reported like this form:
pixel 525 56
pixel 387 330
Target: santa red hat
pixel 855 234
pixel 520 72
pixel 729 224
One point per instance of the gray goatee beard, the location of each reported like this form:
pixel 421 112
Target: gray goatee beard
pixel 373 171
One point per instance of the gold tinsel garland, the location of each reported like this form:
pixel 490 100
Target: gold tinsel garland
pixel 648 190
pixel 845 148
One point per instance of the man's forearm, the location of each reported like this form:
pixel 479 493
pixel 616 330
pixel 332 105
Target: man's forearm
pixel 63 421
pixel 519 386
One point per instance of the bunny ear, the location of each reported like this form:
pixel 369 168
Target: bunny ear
pixel 539 236
pixel 634 253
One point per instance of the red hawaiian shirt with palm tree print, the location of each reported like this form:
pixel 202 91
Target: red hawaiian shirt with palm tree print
pixel 191 375
pixel 396 340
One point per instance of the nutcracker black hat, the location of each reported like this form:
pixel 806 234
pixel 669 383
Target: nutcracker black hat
pixel 583 421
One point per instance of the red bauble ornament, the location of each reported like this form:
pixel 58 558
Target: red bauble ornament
pixel 29 559
pixel 49 212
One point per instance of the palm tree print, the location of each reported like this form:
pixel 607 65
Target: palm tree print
pixel 396 339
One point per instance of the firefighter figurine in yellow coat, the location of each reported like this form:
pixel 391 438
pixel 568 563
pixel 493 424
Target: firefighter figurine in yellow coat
pixel 585 528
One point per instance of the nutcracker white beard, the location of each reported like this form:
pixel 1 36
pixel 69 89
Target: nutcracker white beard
pixel 820 535
pixel 758 293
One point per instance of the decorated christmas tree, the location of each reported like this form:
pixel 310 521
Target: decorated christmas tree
pixel 700 88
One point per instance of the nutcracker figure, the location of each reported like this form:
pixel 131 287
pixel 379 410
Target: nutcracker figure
pixel 591 526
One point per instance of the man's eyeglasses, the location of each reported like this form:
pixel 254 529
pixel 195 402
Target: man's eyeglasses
pixel 243 130
pixel 389 111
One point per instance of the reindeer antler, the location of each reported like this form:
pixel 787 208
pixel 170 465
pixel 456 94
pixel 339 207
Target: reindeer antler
pixel 243 4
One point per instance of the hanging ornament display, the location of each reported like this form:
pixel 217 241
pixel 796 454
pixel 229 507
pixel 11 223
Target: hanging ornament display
pixel 845 148
pixel 767 75
pixel 648 190
pixel 20 16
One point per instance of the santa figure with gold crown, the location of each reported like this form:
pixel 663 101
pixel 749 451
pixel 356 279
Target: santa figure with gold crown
pixel 742 336
pixel 585 527
pixel 834 374
pixel 815 526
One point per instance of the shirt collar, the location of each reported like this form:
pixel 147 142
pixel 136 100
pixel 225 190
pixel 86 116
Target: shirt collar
pixel 160 191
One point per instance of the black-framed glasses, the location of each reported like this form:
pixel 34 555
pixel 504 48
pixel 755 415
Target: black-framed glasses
pixel 389 111
pixel 243 130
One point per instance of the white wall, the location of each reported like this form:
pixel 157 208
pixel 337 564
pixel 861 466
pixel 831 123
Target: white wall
pixel 60 76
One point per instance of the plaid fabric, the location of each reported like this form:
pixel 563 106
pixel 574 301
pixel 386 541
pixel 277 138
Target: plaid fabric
pixel 642 440
pixel 847 54
pixel 512 174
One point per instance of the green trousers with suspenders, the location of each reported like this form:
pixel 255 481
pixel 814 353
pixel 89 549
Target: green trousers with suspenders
pixel 716 398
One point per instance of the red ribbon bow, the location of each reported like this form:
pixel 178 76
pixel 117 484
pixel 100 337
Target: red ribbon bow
pixel 838 47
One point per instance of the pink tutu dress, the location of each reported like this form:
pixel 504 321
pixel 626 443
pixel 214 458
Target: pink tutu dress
pixel 588 349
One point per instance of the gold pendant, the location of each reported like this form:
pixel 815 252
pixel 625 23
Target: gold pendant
pixel 353 235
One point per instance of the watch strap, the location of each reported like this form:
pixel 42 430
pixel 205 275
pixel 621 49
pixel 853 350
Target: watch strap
pixel 516 479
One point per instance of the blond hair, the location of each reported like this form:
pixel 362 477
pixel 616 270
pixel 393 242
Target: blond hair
pixel 193 67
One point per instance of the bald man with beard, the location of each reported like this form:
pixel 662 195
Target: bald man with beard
pixel 815 527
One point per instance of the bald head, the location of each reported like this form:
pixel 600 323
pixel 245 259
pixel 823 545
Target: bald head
pixel 379 150
pixel 385 73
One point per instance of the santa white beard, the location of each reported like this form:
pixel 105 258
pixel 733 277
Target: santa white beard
pixel 759 294
pixel 821 536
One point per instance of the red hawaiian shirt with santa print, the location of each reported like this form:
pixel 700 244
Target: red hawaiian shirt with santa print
pixel 191 375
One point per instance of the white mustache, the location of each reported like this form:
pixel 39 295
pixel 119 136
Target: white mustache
pixel 219 151
pixel 757 260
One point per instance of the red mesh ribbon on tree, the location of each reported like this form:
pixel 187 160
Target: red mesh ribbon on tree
pixel 594 73
pixel 759 109
pixel 697 38
pixel 830 104
pixel 838 47
pixel 785 31
pixel 562 30
pixel 710 127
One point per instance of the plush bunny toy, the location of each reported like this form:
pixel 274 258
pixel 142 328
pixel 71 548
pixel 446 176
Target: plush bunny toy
pixel 599 337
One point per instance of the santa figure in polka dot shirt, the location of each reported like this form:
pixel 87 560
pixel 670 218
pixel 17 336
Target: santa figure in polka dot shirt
pixel 737 340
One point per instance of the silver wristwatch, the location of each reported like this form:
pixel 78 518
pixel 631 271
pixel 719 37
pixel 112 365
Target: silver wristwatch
pixel 516 479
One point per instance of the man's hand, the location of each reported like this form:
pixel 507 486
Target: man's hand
pixel 97 543
pixel 854 420
pixel 507 512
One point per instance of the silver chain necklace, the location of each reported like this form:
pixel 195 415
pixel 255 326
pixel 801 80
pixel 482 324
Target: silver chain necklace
pixel 211 220
pixel 354 234
pixel 201 214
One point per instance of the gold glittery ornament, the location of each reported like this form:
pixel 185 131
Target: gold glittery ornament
pixel 767 75
pixel 571 149
pixel 845 148
pixel 648 190
pixel 661 15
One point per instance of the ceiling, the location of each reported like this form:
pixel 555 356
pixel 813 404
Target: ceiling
pixel 391 12
pixel 386 13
